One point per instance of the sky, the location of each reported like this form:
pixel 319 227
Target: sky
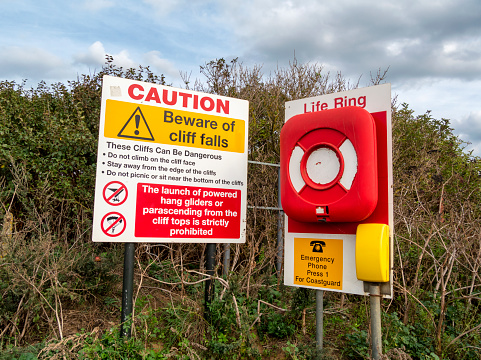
pixel 431 48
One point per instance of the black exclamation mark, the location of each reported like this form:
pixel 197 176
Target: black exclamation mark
pixel 137 123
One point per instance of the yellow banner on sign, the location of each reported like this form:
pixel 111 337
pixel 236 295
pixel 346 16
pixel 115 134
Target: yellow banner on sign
pixel 124 120
pixel 318 263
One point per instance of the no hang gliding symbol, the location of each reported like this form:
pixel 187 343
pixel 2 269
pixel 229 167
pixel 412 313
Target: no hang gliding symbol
pixel 115 193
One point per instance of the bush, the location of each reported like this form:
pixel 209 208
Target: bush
pixel 47 166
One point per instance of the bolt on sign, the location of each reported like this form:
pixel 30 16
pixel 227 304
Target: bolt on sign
pixel 336 191
pixel 171 165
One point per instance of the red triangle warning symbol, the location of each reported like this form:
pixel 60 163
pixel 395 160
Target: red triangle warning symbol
pixel 136 127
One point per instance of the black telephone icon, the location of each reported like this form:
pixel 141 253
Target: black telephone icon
pixel 317 245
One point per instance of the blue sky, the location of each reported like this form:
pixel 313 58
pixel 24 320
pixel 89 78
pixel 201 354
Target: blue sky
pixel 431 47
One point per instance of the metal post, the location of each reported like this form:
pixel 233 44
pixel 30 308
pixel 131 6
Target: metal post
pixel 226 259
pixel 209 285
pixel 319 318
pixel 280 218
pixel 127 291
pixel 375 302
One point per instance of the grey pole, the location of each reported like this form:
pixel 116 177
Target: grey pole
pixel 319 318
pixel 280 218
pixel 375 302
pixel 127 291
pixel 226 259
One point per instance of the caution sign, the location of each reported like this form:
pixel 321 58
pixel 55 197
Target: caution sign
pixel 115 193
pixel 171 165
pixel 136 127
pixel 318 262
pixel 113 224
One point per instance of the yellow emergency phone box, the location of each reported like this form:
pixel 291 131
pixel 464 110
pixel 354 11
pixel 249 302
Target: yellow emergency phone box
pixel 372 252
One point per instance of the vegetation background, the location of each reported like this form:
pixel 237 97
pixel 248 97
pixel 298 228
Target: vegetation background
pixel 60 293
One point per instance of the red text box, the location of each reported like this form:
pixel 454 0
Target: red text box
pixel 172 211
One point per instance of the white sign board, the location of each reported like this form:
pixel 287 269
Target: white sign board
pixel 322 255
pixel 171 165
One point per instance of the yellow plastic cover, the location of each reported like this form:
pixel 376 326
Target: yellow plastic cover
pixel 372 252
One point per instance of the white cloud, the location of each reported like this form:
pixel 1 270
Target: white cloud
pixel 164 7
pixel 413 38
pixel 471 125
pixel 161 65
pixel 397 47
pixel 469 130
pixel 95 57
pixel 96 5
pixel 123 59
pixel 30 62
pixel 453 99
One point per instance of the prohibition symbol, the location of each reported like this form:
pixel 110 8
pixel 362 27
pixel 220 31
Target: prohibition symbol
pixel 115 193
pixel 136 127
pixel 113 224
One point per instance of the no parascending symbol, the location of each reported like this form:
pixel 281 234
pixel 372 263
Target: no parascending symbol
pixel 113 224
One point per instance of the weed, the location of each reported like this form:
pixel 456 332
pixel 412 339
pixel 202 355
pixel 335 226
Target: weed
pixel 27 353
pixel 277 325
pixel 357 345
